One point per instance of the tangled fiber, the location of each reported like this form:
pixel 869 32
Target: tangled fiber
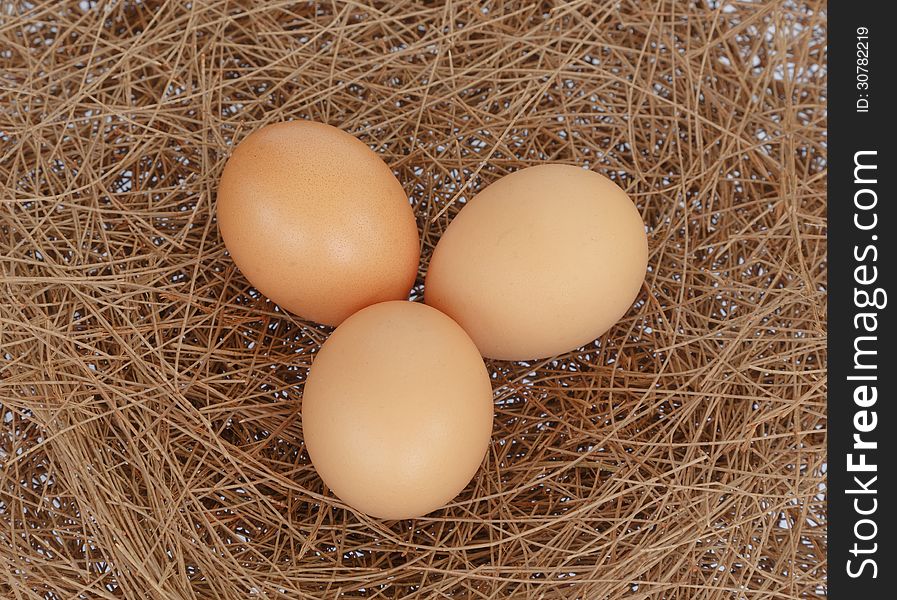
pixel 150 440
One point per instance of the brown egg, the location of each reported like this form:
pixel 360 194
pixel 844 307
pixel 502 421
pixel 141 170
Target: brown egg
pixel 316 221
pixel 540 262
pixel 397 410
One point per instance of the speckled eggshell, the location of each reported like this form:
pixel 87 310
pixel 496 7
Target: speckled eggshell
pixel 316 221
pixel 397 410
pixel 541 262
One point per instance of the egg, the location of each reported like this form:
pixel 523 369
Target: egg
pixel 397 410
pixel 316 221
pixel 541 262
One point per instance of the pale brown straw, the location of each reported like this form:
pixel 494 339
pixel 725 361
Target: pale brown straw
pixel 150 440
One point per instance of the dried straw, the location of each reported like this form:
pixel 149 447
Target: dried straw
pixel 150 440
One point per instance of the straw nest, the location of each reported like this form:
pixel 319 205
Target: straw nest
pixel 150 439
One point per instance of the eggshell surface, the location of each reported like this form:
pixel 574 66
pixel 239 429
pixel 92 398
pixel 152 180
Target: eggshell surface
pixel 541 262
pixel 316 221
pixel 397 410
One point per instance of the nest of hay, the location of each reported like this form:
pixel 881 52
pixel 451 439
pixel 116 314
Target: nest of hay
pixel 150 441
